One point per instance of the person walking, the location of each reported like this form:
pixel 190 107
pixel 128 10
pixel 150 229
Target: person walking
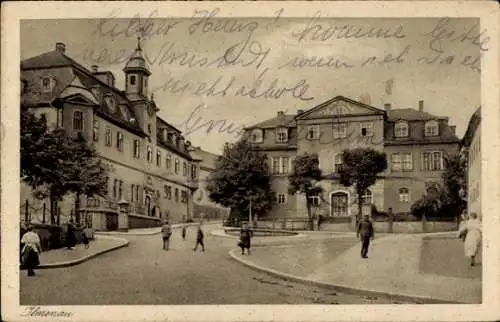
pixel 87 235
pixel 31 248
pixel 366 233
pixel 472 240
pixel 199 239
pixel 166 231
pixel 245 239
pixel 184 230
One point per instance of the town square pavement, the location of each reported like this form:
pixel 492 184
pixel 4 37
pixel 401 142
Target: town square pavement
pixel 143 273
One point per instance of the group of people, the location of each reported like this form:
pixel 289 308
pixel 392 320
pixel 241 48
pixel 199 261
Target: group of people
pixel 246 235
pixel 166 231
pixel 31 245
pixel 469 231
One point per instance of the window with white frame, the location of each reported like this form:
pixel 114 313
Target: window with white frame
pixel 78 121
pixel 257 136
pixel 137 149
pixel 107 137
pixel 280 165
pixel 149 154
pixel 404 195
pixel 168 162
pixel 401 161
pixel 282 135
pixel 433 161
pixel 95 131
pixel 119 141
pixel 367 129
pixel 281 198
pixel 432 128
pixel 339 130
pixel 314 200
pixel 313 132
pixel 176 166
pixel 401 129
pixel 367 198
pixel 338 162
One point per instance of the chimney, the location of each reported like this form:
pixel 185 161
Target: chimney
pixel 60 47
pixel 281 113
pixel 421 106
pixel 387 106
pixel 300 112
pixel 453 128
pixel 94 68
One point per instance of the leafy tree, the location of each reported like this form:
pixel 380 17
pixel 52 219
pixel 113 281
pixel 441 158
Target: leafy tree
pixel 241 178
pixel 85 173
pixel 360 169
pixel 454 183
pixel 305 171
pixel 429 205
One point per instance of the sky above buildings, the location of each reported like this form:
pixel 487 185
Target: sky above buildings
pixel 211 76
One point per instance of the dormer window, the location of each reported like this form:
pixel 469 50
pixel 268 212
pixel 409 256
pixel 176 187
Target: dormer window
pixel 46 84
pixel 401 129
pixel 281 135
pixel 110 102
pixel 257 136
pixel 432 128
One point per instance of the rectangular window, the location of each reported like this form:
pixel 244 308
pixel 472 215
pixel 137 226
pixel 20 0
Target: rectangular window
pixel 137 197
pixel 407 161
pixel 280 165
pixel 115 186
pixel 95 132
pixel 137 149
pixel 107 137
pixel 284 165
pixel 366 129
pixel 257 136
pixel 193 171
pixel 132 191
pixel 314 200
pixel 433 161
pixel 176 195
pixel 46 84
pixel 313 132
pixel 176 166
pixel 168 192
pixel 120 189
pixel 276 165
pixel 149 154
pixel 339 130
pixel 158 158
pixel 282 135
pixel 168 162
pixel 119 141
pixel 281 198
pixel 184 168
pixel 78 121
pixel 396 162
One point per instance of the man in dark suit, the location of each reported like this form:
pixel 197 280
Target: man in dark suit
pixel 365 232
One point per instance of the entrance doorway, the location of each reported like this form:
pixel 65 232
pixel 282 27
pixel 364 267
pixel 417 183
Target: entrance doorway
pixel 340 204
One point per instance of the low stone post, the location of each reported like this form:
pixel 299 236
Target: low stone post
pixel 123 211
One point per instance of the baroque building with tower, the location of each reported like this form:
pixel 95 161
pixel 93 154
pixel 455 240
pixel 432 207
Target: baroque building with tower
pixel 415 142
pixel 151 166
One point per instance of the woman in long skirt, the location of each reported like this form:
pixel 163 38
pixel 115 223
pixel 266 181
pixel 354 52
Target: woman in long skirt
pixel 472 231
pixel 30 251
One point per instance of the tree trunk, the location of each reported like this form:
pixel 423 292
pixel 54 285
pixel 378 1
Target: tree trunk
pixel 360 205
pixel 77 208
pixel 309 215
pixel 52 209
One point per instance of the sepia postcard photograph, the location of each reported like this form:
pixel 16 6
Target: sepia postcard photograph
pixel 250 161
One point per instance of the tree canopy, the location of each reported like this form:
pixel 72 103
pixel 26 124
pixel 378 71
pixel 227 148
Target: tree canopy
pixel 360 169
pixel 455 182
pixel 242 175
pixel 305 172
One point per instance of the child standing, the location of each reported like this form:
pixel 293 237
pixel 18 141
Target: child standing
pixel 87 235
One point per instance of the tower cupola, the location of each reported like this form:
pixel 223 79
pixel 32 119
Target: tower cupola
pixel 137 73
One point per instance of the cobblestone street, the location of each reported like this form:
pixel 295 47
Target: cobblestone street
pixel 145 274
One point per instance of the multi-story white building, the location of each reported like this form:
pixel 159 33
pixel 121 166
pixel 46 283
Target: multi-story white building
pixel 149 161
pixel 471 145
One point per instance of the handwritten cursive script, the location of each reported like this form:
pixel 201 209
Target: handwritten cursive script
pixel 37 311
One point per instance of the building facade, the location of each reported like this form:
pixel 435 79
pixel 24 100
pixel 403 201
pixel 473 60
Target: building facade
pixel 414 141
pixel 203 206
pixel 471 147
pixel 150 166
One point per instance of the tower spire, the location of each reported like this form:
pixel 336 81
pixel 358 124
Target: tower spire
pixel 139 43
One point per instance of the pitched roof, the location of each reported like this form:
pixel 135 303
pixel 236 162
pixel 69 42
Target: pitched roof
pixel 410 114
pixel 286 120
pixel 208 159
